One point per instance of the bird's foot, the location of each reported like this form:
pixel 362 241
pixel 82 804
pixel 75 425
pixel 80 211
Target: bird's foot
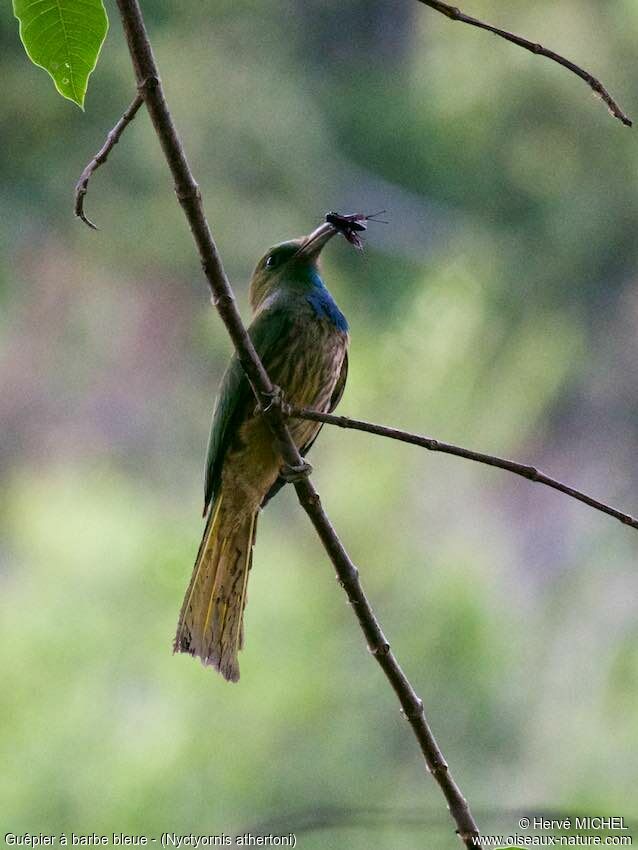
pixel 273 399
pixel 292 474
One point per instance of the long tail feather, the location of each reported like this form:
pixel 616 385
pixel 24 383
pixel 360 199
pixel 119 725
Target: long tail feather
pixel 211 620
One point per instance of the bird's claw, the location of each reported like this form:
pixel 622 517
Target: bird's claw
pixel 291 474
pixel 275 398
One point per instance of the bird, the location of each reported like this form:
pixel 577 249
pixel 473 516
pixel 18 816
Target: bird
pixel 302 338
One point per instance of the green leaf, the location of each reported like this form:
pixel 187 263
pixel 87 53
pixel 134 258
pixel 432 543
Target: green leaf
pixel 64 37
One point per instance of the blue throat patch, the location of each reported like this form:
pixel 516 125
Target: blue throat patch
pixel 324 304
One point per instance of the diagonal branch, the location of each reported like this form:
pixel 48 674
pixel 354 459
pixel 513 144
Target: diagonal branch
pixel 432 445
pixel 101 156
pixel 595 85
pixel 188 193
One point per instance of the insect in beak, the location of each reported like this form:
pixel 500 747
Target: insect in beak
pixel 352 224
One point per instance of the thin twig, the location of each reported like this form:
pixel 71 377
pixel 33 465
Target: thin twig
pixel 595 85
pixel 432 445
pixel 188 193
pixel 100 158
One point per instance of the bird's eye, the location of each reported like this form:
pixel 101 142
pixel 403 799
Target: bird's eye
pixel 271 261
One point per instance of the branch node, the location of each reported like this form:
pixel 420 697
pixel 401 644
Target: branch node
pixel 149 84
pixel 380 649
pixel 191 193
pixel 225 298
pixel 414 714
pixel 438 768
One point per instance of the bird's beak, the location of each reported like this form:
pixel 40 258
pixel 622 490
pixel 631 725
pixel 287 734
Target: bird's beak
pixel 312 244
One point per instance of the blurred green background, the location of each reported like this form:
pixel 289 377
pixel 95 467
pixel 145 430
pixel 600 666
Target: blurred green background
pixel 499 309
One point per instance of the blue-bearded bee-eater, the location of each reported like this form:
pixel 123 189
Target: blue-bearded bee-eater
pixel 302 339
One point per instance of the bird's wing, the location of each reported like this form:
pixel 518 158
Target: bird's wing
pixel 303 451
pixel 235 398
pixel 340 385
pixel 335 398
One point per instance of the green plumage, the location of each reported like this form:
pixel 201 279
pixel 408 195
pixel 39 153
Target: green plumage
pixel 302 339
pixel 236 395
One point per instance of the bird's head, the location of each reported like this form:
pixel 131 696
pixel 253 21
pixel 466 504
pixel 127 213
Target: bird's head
pixel 293 264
